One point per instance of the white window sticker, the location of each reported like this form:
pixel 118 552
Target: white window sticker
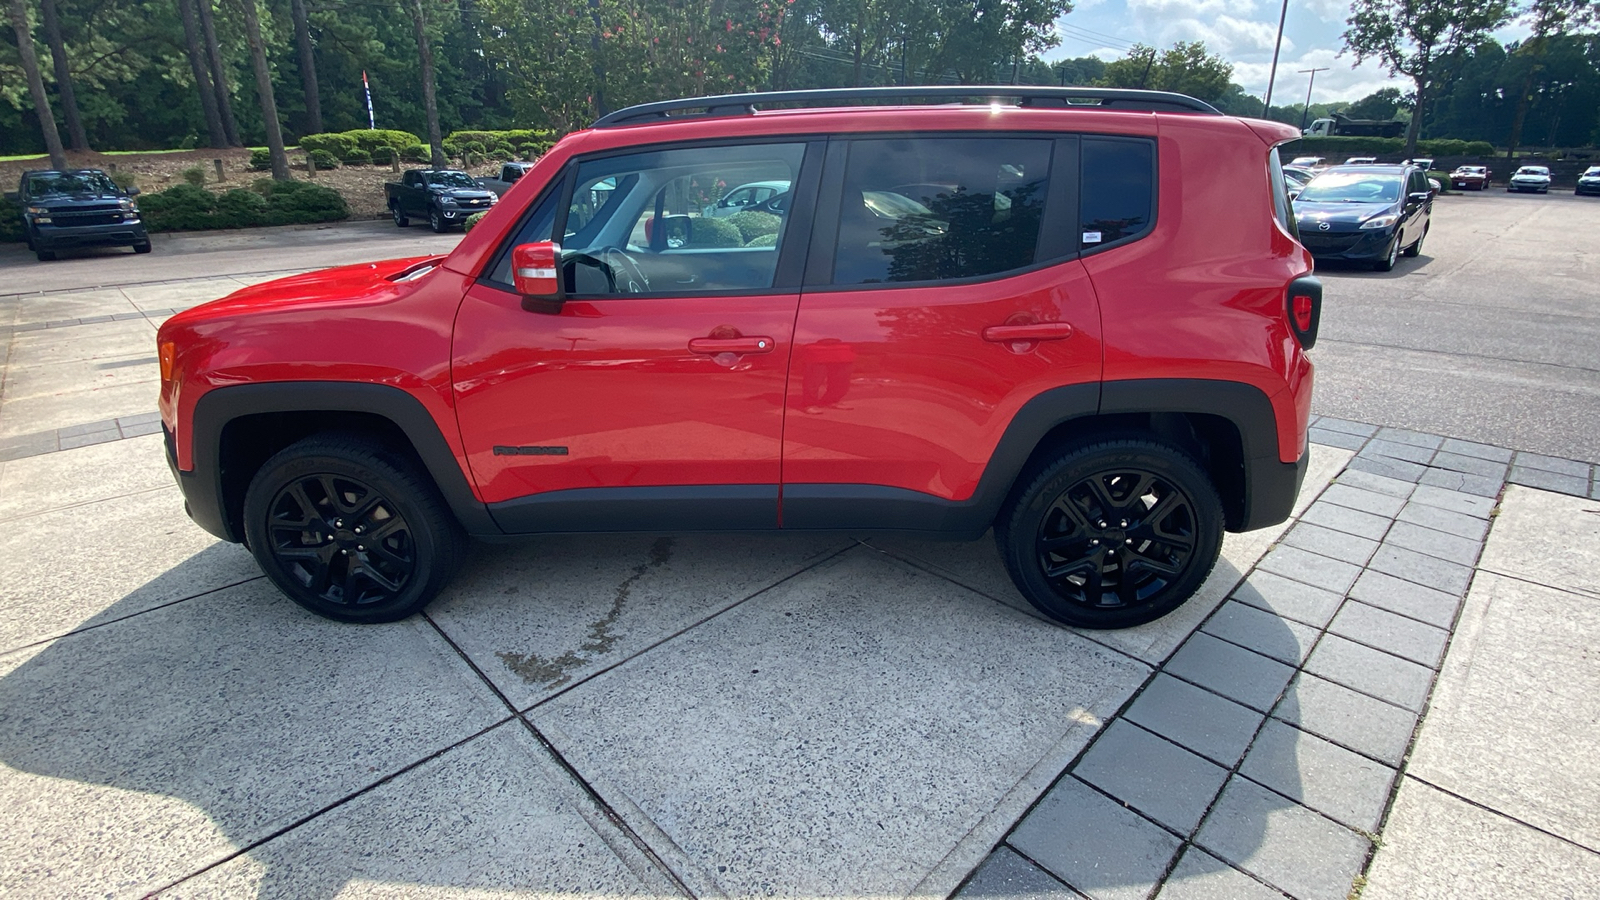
pixel 1091 237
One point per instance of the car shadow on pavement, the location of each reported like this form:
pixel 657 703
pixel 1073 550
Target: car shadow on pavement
pixel 1405 266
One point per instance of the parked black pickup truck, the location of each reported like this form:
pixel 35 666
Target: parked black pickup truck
pixel 78 208
pixel 445 196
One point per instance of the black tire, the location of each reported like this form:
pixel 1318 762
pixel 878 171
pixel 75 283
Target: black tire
pixel 1131 526
pixel 350 530
pixel 1415 249
pixel 1387 263
pixel 27 237
pixel 142 247
pixel 401 220
pixel 45 255
pixel 436 221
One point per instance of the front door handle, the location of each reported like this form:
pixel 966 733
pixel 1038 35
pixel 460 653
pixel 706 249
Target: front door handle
pixel 1037 331
pixel 714 346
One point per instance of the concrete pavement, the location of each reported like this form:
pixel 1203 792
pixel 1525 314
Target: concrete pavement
pixel 783 716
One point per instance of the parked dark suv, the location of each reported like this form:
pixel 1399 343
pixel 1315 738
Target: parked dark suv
pixel 1076 317
pixel 74 208
pixel 1370 214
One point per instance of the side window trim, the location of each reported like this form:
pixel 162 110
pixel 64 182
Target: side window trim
pixel 825 228
pixel 561 184
pixel 1058 233
pixel 1155 195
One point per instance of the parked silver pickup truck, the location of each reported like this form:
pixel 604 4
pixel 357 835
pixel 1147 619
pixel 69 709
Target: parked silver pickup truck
pixel 509 173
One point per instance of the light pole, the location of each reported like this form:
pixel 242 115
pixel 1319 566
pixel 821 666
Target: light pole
pixel 1307 108
pixel 1266 106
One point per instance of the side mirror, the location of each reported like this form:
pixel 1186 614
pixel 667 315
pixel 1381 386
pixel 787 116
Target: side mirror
pixel 1420 196
pixel 535 271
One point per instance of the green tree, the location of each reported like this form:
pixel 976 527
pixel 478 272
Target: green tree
pixel 30 70
pixel 1413 37
pixel 1549 18
pixel 1383 104
pixel 1185 68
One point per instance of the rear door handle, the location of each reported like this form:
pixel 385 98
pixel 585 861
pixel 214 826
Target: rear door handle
pixel 713 346
pixel 1038 331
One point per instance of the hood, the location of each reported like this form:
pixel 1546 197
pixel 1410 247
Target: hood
pixel 57 200
pixel 461 193
pixel 344 284
pixel 1340 215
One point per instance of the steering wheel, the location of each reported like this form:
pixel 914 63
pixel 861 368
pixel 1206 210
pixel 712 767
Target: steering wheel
pixel 627 277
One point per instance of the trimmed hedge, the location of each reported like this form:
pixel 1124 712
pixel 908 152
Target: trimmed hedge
pixel 415 153
pixel 185 207
pixel 705 232
pixel 367 140
pixel 10 220
pixel 324 159
pixel 472 221
pixel 261 160
pixel 754 223
pixel 1344 147
pixel 763 240
pixel 356 158
pixel 506 144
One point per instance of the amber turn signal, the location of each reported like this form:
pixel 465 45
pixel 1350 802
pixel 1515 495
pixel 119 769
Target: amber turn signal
pixel 168 350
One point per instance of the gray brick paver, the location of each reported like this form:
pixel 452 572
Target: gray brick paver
pixel 1380 484
pixel 1481 485
pixel 1007 876
pixel 1420 568
pixel 1481 451
pixel 1210 725
pixel 1550 481
pixel 1152 775
pixel 1389 468
pixel 1390 632
pixel 1375 502
pixel 1345 786
pixel 1093 843
pixel 1201 876
pixel 1264 632
pixel 1330 543
pixel 1372 672
pixel 1336 439
pixel 1454 501
pixel 1288 598
pixel 1350 521
pixel 1407 436
pixel 1413 601
pixel 1378 447
pixel 1411 536
pixel 1282 842
pixel 1554 464
pixel 1230 670
pixel 1457 462
pixel 1349 718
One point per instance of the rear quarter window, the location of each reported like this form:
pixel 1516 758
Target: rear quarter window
pixel 1118 197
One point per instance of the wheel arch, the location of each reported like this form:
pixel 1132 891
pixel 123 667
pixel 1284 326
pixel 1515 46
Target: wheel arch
pixel 238 428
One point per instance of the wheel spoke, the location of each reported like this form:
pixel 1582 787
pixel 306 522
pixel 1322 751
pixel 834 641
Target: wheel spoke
pixel 328 565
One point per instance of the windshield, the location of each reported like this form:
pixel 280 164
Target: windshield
pixel 1352 187
pixel 450 179
pixel 70 183
pixel 1471 170
pixel 1533 170
pixel 1592 170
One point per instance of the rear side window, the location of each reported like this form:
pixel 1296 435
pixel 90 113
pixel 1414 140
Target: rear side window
pixel 936 209
pixel 1118 190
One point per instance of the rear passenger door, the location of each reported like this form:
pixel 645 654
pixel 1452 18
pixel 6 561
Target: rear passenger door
pixel 942 292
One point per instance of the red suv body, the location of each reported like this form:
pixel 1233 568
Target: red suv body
pixel 957 318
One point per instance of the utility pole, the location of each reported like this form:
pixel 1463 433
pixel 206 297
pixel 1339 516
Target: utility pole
pixel 1266 105
pixel 1307 108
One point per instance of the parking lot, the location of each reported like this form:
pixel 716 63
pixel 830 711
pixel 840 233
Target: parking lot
pixel 818 716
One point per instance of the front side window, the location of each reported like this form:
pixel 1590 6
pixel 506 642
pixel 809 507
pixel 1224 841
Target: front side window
pixel 1118 197
pixel 654 222
pixel 934 209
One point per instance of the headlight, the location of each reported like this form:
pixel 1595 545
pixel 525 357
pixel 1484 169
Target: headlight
pixel 38 210
pixel 1383 221
pixel 447 201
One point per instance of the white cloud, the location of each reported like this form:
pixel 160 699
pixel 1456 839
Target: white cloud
pixel 1341 81
pixel 1162 10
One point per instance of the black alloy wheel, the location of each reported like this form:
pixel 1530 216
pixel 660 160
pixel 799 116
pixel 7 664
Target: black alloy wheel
pixel 350 531
pixel 401 220
pixel 436 221
pixel 1113 535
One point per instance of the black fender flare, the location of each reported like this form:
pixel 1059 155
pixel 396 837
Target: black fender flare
pixel 203 486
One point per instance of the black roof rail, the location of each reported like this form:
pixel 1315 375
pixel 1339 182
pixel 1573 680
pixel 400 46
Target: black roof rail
pixel 1026 95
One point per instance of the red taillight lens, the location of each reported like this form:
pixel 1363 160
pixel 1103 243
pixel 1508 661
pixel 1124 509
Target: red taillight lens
pixel 1302 312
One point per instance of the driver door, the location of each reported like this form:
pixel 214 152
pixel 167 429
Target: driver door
pixel 652 398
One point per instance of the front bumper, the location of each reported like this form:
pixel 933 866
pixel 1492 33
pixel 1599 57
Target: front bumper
pixel 202 497
pixel 117 234
pixel 1372 244
pixel 1531 187
pixel 1463 184
pixel 1587 188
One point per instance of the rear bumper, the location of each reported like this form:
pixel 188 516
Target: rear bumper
pixel 1271 489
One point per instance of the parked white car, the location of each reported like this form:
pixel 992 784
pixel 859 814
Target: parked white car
pixel 1533 179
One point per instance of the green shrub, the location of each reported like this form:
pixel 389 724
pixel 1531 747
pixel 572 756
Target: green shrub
pixel 357 157
pixel 713 233
pixel 383 156
pixel 302 202
pixel 124 179
pixel 183 207
pixel 472 158
pixel 240 208
pixel 323 159
pixel 527 141
pixel 472 220
pixel 753 223
pixel 331 143
pixel 195 176
pixel 372 139
pixel 10 220
pixel 416 153
pixel 763 240
pixel 261 159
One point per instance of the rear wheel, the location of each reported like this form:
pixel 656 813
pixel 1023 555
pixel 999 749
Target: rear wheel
pixel 350 531
pixel 1113 534
pixel 401 220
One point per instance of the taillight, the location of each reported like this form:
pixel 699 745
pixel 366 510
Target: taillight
pixel 168 351
pixel 1304 306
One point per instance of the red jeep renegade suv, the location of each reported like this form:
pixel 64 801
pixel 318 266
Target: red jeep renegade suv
pixel 1078 317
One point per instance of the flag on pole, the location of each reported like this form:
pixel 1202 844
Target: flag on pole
pixel 371 122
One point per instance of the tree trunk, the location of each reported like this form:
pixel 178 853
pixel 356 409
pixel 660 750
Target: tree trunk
pixel 219 74
pixel 1524 100
pixel 269 103
pixel 58 56
pixel 435 139
pixel 308 65
pixel 30 70
pixel 1415 130
pixel 600 105
pixel 202 74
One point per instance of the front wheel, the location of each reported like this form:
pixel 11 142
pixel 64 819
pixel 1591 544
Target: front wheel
pixel 350 531
pixel 1391 257
pixel 45 255
pixel 142 247
pixel 1113 534
pixel 436 221
pixel 1416 249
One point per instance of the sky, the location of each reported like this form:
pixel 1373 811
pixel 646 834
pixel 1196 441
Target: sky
pixel 1242 31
